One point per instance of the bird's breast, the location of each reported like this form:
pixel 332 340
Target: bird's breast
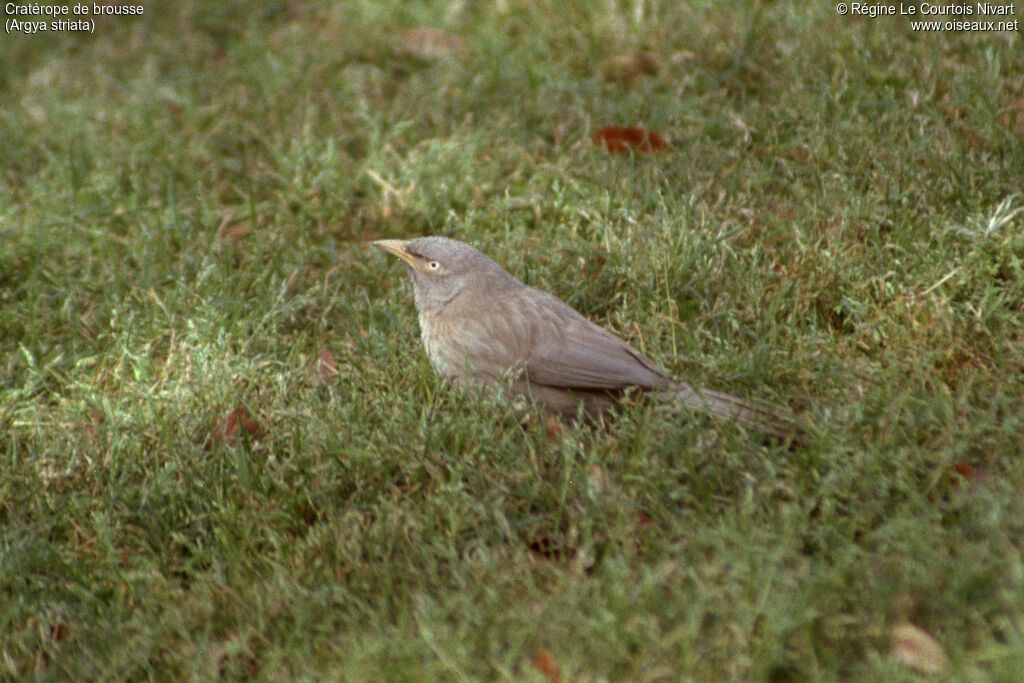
pixel 464 349
pixel 433 335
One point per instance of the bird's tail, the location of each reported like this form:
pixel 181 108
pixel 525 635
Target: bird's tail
pixel 760 417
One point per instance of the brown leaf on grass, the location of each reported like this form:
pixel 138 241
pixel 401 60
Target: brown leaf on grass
pixel 236 231
pixel 975 477
pixel 429 43
pixel 963 469
pixel 58 631
pixel 643 525
pixel 97 421
pixel 620 139
pixel 226 431
pixel 325 368
pixel 916 648
pixel 547 665
pixel 241 416
pixel 643 520
pixel 629 66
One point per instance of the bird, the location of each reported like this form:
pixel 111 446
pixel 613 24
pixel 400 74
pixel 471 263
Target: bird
pixel 483 328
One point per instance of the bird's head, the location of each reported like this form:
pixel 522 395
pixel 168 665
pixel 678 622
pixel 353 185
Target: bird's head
pixel 441 267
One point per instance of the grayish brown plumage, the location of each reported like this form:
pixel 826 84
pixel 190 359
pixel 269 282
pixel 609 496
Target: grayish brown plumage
pixel 481 326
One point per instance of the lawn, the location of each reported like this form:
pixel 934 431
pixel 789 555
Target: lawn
pixel 224 454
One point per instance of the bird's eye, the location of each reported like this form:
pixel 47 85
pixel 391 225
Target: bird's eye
pixel 433 265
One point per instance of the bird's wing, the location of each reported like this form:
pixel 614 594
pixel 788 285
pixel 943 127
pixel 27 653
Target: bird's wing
pixel 561 348
pixel 526 329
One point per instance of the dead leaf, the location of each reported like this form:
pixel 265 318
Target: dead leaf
pixel 58 632
pixel 97 421
pixel 963 469
pixel 643 520
pixel 547 665
pixel 431 43
pixel 324 365
pixel 227 431
pixel 916 648
pixel 975 478
pixel 619 139
pixel 236 231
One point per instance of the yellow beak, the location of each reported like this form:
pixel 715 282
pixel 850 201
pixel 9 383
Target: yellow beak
pixel 396 248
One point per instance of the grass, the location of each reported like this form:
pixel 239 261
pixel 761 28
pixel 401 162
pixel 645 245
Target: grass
pixel 187 200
